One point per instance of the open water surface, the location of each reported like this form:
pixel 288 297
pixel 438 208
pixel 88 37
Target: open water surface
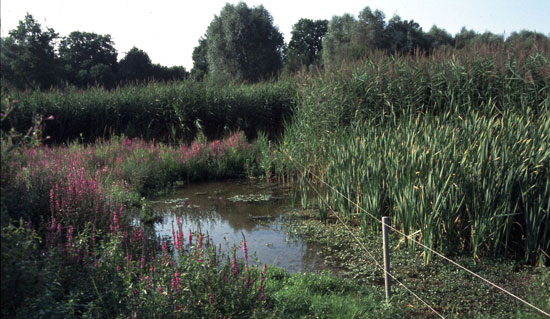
pixel 230 209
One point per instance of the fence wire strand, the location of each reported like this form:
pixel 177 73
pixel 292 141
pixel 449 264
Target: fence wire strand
pixel 377 264
pixel 416 241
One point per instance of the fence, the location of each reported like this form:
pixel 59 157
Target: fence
pixel 386 268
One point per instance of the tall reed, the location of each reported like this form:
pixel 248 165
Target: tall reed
pixel 160 111
pixel 452 146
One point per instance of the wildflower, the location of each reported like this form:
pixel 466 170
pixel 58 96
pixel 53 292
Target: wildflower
pixel 245 251
pixel 199 243
pixel 211 298
pixel 50 118
pixel 69 236
pixel 178 280
pixel 235 266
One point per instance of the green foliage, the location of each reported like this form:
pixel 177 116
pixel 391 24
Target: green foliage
pixel 158 111
pixel 305 45
pixel 28 57
pixel 88 59
pixel 20 266
pixel 528 40
pixel 200 60
pixel 337 42
pixel 322 296
pixel 452 292
pixel 243 44
pixel 135 66
pixel 439 38
pixel 369 33
pixel 452 147
pixel 405 36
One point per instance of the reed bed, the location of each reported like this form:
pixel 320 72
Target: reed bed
pixel 166 112
pixel 452 146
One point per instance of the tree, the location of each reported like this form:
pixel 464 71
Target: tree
pixel 82 52
pixel 306 43
pixel 464 38
pixel 406 36
pixel 135 66
pixel 337 41
pixel 529 39
pixel 439 38
pixel 243 43
pixel 173 73
pixel 200 60
pixel 28 57
pixel 369 32
pixel 489 38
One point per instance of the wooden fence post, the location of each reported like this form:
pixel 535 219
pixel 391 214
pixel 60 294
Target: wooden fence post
pixel 387 279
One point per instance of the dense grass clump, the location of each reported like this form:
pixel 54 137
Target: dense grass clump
pixel 160 111
pixel 452 146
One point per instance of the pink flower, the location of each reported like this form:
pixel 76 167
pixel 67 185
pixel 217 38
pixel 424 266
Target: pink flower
pixel 235 266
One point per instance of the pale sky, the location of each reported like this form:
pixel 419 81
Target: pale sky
pixel 169 30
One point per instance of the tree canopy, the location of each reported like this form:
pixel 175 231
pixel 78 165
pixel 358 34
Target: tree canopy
pixel 135 66
pixel 306 43
pixel 89 58
pixel 243 44
pixel 28 56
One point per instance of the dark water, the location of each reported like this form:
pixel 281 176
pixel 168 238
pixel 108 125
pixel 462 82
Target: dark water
pixel 228 210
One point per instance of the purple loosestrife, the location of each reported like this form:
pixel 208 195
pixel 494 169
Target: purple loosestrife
pixel 235 266
pixel 69 236
pixel 262 280
pixel 245 251
pixel 199 248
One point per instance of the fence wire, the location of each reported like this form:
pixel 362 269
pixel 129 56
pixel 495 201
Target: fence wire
pixel 410 237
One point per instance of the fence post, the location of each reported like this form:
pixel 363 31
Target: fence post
pixel 387 280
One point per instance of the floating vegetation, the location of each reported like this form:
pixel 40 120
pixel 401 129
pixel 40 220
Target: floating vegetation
pixel 250 198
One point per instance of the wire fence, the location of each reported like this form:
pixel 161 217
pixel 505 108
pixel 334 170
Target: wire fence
pixel 409 237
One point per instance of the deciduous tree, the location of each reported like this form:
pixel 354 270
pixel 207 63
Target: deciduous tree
pixel 243 44
pixel 135 66
pixel 82 52
pixel 306 43
pixel 28 57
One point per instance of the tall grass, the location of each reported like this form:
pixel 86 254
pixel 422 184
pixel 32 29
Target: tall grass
pixel 452 146
pixel 160 111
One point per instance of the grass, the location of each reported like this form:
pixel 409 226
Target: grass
pixel 451 291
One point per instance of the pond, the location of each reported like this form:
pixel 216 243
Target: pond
pixel 228 210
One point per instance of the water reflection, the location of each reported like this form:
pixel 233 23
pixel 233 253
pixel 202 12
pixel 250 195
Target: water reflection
pixel 228 210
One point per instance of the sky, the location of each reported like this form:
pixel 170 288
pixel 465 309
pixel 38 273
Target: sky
pixel 168 30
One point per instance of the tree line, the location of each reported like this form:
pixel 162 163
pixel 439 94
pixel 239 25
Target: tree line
pixel 36 58
pixel 241 43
